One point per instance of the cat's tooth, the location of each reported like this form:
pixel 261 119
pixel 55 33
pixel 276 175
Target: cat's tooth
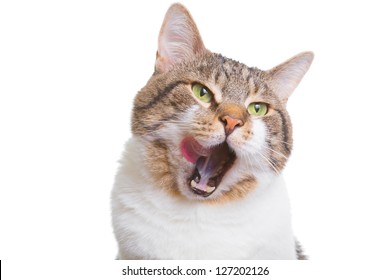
pixel 193 184
pixel 210 189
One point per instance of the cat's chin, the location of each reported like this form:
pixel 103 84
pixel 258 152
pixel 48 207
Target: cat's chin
pixel 210 166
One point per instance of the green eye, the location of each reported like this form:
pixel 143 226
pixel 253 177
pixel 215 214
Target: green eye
pixel 258 109
pixel 202 93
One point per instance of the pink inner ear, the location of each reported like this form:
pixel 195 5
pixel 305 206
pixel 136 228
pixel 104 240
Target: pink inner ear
pixel 286 76
pixel 178 40
pixel 162 63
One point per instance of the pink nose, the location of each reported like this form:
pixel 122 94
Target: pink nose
pixel 230 123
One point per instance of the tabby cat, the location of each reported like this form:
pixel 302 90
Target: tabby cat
pixel 201 176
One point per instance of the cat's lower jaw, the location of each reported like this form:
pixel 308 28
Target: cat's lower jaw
pixel 149 223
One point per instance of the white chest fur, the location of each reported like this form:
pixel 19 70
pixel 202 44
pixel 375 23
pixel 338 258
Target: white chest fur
pixel 150 224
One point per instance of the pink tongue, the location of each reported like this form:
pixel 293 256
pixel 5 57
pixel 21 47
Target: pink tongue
pixel 192 150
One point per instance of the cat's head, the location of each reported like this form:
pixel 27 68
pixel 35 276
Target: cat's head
pixel 212 127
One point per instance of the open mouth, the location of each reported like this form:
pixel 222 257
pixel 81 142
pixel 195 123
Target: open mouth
pixel 211 164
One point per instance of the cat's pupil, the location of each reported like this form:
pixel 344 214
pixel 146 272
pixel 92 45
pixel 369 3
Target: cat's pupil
pixel 203 91
pixel 257 107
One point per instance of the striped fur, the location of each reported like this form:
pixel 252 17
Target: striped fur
pixel 166 111
pixel 168 96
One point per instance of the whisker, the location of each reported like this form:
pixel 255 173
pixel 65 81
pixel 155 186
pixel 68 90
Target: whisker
pixel 271 164
pixel 268 161
pixel 253 158
pixel 276 152
pixel 284 142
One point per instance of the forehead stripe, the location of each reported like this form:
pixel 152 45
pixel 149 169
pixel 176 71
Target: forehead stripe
pixel 161 93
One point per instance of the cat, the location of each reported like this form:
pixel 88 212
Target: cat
pixel 201 176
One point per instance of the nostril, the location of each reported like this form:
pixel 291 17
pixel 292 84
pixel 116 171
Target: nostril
pixel 223 120
pixel 239 122
pixel 230 123
pixel 228 120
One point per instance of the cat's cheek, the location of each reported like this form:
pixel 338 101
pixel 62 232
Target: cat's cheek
pixel 249 140
pixel 259 133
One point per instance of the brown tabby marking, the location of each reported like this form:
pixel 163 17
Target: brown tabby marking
pixel 167 96
pixel 191 140
pixel 158 164
pixel 183 60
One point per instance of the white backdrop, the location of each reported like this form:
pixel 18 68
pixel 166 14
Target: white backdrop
pixel 69 71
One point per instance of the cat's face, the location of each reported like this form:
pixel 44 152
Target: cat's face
pixel 211 126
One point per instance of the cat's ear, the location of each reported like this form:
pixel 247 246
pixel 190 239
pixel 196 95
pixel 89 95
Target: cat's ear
pixel 285 77
pixel 179 38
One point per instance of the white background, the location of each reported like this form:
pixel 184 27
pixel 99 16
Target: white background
pixel 70 69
